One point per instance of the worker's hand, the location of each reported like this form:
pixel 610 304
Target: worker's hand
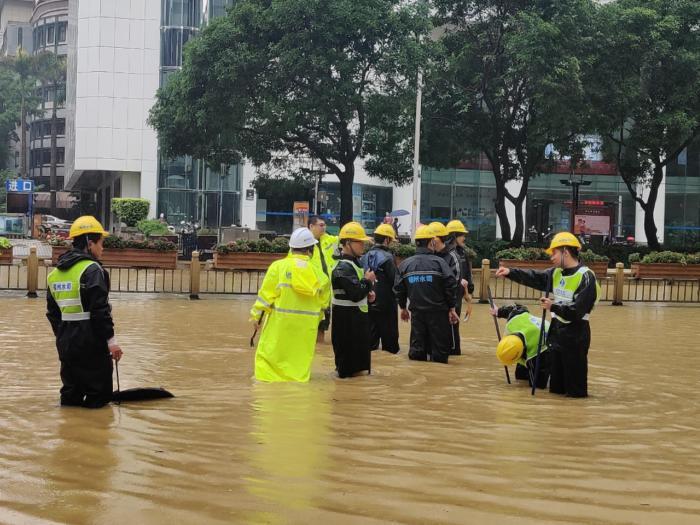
pixel 454 318
pixel 494 310
pixel 546 303
pixel 464 283
pixel 405 315
pixel 502 271
pixel 370 276
pixel 254 321
pixel 371 297
pixel 116 352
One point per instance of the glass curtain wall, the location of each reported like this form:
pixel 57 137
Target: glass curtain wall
pixel 682 224
pixel 189 190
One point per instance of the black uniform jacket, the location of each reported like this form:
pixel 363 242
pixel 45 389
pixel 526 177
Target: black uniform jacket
pixel 584 298
pixel 83 340
pixel 426 282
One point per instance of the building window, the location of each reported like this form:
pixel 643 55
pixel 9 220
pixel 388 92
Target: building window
pixel 182 13
pixel 62 32
pixel 50 34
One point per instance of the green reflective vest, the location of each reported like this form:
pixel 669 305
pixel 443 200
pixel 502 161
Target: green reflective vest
pixel 528 326
pixel 564 288
pixel 64 287
pixel 338 294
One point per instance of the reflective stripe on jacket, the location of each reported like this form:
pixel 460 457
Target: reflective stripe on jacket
pixel 64 287
pixel 339 296
pixel 564 289
pixel 528 326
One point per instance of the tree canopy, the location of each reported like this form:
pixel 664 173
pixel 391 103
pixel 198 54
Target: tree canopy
pixel 645 91
pixel 508 85
pixel 286 83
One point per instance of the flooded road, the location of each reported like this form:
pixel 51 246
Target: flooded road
pixel 416 443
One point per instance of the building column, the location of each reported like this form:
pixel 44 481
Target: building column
pixel 248 207
pixel 513 187
pixel 402 199
pixel 640 235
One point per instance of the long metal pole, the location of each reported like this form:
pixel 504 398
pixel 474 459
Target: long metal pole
pixel 416 153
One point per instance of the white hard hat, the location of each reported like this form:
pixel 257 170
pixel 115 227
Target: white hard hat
pixel 302 238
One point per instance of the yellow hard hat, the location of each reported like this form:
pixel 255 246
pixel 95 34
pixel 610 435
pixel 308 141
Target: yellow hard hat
pixel 563 239
pixel 353 230
pixel 456 226
pixel 509 349
pixel 424 232
pixel 438 229
pixel 86 224
pixel 387 230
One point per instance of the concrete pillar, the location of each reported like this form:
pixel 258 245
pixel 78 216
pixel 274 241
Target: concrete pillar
pixel 248 207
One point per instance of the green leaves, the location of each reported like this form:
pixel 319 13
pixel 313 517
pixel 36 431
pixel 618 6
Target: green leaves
pixel 130 211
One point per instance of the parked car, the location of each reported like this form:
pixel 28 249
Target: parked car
pixel 52 221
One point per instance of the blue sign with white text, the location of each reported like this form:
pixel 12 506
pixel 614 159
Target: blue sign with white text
pixel 19 186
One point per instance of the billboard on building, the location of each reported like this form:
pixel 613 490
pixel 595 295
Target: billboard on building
pixel 301 214
pixel 594 219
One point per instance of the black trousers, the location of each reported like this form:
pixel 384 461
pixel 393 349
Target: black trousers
pixel 431 335
pixel 87 383
pixel 456 348
pixel 326 322
pixel 569 345
pixel 523 372
pixel 384 328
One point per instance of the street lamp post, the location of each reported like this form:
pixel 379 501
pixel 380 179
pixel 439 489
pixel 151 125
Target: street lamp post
pixel 575 184
pixel 416 153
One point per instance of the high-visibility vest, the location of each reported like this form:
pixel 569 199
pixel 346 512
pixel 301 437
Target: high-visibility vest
pixel 564 289
pixel 339 293
pixel 528 326
pixel 64 287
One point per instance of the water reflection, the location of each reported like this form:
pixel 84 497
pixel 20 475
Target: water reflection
pixel 415 443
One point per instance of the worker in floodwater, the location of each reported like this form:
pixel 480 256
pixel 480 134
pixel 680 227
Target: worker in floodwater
pixel 576 292
pixel 383 311
pixel 81 318
pixel 352 291
pixel 426 291
pixel 322 258
pixel 292 299
pixel 520 343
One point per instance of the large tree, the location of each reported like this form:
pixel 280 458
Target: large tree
pixel 645 91
pixel 508 86
pixel 287 84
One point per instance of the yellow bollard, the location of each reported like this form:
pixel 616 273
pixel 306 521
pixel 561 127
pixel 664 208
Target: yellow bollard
pixel 32 273
pixel 485 281
pixel 619 284
pixel 194 275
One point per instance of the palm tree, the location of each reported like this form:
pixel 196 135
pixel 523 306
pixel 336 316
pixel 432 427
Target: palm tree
pixel 50 70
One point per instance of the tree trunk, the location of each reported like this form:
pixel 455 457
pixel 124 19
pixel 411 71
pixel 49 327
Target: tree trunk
pixel 500 205
pixel 519 231
pixel 52 174
pixel 346 207
pixel 23 142
pixel 649 224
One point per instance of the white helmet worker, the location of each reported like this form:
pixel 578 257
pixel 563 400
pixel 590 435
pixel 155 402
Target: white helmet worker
pixel 302 238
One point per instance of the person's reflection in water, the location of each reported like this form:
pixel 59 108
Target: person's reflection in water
pixel 79 467
pixel 291 431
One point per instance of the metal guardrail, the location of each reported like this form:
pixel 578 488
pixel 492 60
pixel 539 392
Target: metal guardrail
pixel 617 287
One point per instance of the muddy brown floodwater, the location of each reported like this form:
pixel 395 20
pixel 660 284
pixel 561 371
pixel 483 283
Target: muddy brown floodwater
pixel 417 443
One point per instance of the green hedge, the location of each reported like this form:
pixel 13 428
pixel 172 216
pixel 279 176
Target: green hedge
pixel 116 243
pixel 130 211
pixel 4 243
pixel 665 257
pixel 151 227
pixel 278 245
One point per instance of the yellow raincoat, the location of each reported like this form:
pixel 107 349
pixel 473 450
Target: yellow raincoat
pixel 293 296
